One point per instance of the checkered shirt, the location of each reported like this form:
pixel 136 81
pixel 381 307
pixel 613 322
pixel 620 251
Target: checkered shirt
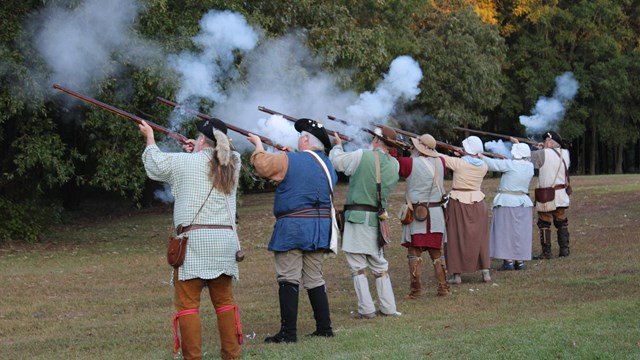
pixel 210 252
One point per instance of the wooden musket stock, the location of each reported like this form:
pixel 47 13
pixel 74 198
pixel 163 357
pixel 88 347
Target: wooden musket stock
pixel 398 144
pixel 500 136
pixel 231 127
pixel 178 137
pixel 292 119
pixel 446 146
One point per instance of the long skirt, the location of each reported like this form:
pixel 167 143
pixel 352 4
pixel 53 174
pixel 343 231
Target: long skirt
pixel 511 233
pixel 467 237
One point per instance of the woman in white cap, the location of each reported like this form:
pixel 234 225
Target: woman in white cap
pixel 512 217
pixel 467 214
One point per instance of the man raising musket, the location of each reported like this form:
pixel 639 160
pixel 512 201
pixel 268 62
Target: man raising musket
pixel 301 234
pixel 373 173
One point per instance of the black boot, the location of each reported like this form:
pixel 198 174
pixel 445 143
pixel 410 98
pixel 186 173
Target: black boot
pixel 563 237
pixel 288 294
pixel 545 240
pixel 320 306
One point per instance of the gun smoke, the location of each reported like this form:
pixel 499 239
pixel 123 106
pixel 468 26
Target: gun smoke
pixel 548 112
pixel 86 44
pixel 232 68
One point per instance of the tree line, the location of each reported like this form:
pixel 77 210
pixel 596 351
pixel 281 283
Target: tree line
pixel 485 63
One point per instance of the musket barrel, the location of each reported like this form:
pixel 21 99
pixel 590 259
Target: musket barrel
pixel 398 144
pixel 180 138
pixel 445 145
pixel 501 136
pixel 230 126
pixel 292 119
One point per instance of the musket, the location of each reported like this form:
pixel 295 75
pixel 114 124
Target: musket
pixel 500 136
pixel 292 119
pixel 231 127
pixel 446 146
pixel 178 137
pixel 398 144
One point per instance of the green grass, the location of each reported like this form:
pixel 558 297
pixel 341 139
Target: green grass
pixel 98 288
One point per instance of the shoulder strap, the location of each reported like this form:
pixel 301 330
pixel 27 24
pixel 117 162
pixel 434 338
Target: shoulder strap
pixel 566 171
pixel 201 206
pixel 232 219
pixel 378 181
pixel 324 167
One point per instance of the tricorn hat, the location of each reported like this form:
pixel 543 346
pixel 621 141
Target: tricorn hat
pixel 426 144
pixel 314 128
pixel 386 134
pixel 553 136
pixel 208 126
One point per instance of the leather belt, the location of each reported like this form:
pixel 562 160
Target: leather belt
pixel 183 229
pixel 428 204
pixel 455 189
pixel 360 207
pixel 308 213
pixel 558 187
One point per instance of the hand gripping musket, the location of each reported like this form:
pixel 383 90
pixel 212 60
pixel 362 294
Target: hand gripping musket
pixel 231 127
pixel 399 144
pixel 292 119
pixel 500 136
pixel 446 146
pixel 239 253
pixel 178 137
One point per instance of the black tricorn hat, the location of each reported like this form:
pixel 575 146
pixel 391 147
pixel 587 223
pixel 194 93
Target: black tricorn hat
pixel 553 136
pixel 314 128
pixel 208 126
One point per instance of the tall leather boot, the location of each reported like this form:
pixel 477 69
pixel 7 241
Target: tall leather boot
pixel 440 271
pixel 288 294
pixel 545 240
pixel 563 236
pixel 441 277
pixel 415 273
pixel 320 305
pixel 228 330
pixel 191 336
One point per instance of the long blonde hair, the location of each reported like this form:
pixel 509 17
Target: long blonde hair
pixel 223 164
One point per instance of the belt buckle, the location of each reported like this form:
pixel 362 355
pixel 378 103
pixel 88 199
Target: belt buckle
pixel 179 229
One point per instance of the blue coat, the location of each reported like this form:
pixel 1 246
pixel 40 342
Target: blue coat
pixel 304 186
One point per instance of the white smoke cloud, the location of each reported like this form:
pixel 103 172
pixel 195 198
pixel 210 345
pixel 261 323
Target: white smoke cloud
pixel 165 195
pixel 79 44
pixel 277 73
pixel 201 74
pixel 548 112
pixel 282 74
pixel 400 83
pixel 499 147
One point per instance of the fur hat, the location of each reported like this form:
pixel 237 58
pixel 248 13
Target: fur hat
pixel 426 144
pixel 216 130
pixel 208 126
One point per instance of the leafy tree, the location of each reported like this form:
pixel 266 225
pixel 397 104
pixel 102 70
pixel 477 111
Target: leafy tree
pixel 462 59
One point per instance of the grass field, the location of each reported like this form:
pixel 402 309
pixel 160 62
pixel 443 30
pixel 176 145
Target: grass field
pixel 98 288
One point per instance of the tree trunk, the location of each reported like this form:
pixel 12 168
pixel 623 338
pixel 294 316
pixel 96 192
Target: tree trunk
pixel 594 146
pixel 619 158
